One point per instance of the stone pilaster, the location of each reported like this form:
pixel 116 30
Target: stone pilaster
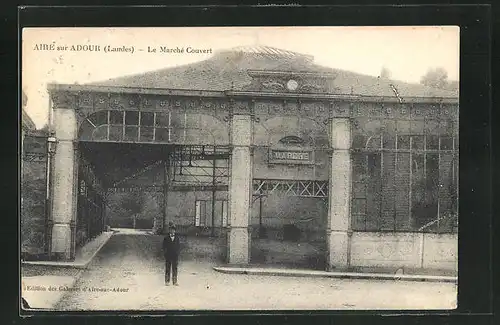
pixel 338 227
pixel 240 189
pixel 63 177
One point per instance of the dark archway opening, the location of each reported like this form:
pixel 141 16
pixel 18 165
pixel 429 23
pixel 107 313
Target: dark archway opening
pixel 288 223
pixel 146 186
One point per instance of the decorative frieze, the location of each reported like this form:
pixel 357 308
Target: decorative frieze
pixel 85 100
pixel 35 157
pixel 147 102
pixel 241 107
pixel 162 103
pixel 307 109
pixel 291 107
pixel 340 109
pixel 131 101
pixel 63 99
pixel 262 108
pixel 101 101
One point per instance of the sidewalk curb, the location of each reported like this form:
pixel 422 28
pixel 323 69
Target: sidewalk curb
pixel 81 265
pixel 338 275
pixel 91 258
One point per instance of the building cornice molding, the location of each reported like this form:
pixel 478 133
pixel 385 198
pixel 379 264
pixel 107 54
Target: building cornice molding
pixel 340 97
pixel 132 90
pixel 54 88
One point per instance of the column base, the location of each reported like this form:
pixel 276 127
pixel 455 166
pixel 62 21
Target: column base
pixel 338 251
pixel 61 241
pixel 238 246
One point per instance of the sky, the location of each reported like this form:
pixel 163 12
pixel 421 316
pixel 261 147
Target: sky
pixel 407 52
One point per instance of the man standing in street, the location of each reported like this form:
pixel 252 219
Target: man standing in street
pixel 171 248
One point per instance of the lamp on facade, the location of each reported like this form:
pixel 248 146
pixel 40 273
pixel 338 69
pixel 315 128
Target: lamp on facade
pixel 52 144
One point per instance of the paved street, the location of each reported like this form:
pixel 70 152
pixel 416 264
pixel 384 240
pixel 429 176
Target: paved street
pixel 132 265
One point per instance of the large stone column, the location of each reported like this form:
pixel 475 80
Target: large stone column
pixel 338 227
pixel 240 189
pixel 63 180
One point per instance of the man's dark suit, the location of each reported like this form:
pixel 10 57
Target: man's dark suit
pixel 171 250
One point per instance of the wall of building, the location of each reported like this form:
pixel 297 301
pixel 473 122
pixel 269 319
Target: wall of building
pixel 33 197
pixel 309 255
pixel 181 209
pixel 404 250
pixel 440 251
pixel 316 171
pixel 278 119
pixel 375 249
pixel 307 214
pixel 198 249
pixel 203 248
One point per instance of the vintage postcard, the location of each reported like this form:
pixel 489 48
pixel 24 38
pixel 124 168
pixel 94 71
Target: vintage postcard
pixel 269 168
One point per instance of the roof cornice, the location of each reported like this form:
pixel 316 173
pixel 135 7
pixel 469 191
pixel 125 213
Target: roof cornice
pixel 342 97
pixel 245 94
pixel 133 90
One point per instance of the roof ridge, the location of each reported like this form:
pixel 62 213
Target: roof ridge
pixel 265 50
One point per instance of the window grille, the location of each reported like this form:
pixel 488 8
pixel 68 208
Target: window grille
pixel 405 181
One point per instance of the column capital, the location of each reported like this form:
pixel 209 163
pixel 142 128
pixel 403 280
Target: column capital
pixel 340 133
pixel 65 124
pixel 241 130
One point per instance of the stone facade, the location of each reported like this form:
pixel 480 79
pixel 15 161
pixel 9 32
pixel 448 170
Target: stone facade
pixel 288 133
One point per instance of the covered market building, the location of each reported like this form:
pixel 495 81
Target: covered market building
pixel 277 159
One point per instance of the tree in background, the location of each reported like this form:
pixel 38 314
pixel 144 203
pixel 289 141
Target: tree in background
pixel 385 73
pixel 453 85
pixel 133 204
pixel 438 78
pixel 127 209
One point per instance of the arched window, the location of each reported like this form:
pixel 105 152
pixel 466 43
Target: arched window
pixel 149 127
pixel 291 140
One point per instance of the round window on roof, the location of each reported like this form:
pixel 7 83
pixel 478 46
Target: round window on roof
pixel 292 85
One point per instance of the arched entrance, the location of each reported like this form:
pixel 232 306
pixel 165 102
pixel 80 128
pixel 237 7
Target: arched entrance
pixel 166 161
pixel 290 193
